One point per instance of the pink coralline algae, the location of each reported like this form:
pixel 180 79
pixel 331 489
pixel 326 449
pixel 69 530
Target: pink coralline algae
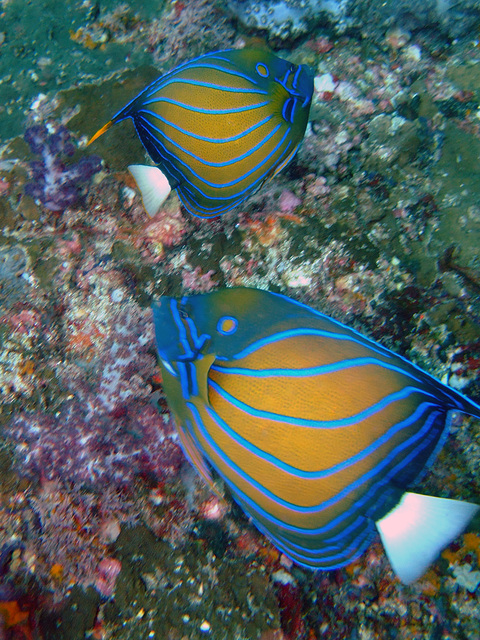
pixel 55 184
pixel 107 572
pixel 288 202
pixel 95 449
pixel 167 228
pixel 126 363
pixel 197 281
pixel 109 430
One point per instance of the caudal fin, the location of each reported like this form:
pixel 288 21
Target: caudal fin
pixel 418 528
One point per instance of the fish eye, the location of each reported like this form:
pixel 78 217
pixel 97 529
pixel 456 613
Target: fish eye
pixel 227 325
pixel 262 70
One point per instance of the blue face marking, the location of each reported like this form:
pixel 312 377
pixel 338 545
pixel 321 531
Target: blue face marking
pixel 227 325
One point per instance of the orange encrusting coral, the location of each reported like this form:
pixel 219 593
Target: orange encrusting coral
pixel 13 616
pixel 471 543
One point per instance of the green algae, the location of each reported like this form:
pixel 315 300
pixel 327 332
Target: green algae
pixel 43 262
pixel 94 104
pixel 42 53
pixel 466 76
pixel 173 591
pixel 458 172
pixel 75 619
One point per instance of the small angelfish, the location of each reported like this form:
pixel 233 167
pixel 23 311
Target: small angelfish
pixel 218 127
pixel 317 431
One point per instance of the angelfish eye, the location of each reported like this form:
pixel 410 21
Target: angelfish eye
pixel 227 325
pixel 262 70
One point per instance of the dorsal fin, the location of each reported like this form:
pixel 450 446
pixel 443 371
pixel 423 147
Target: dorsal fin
pixel 100 132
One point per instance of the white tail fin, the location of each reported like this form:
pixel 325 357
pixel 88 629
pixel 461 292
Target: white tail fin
pixel 417 530
pixel 153 186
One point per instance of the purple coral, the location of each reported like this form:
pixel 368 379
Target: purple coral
pixel 56 184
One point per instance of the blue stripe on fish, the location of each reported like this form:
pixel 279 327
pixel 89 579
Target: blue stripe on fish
pixel 334 499
pixel 325 472
pixel 318 424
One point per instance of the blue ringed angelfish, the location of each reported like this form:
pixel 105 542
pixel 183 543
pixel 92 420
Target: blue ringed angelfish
pixel 218 127
pixel 317 431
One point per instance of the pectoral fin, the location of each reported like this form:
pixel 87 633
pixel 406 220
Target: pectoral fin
pixel 153 185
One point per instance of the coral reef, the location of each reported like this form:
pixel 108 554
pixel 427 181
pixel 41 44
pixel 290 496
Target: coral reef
pixel 79 446
pixel 375 222
pixel 13 265
pixel 55 184
pixel 108 432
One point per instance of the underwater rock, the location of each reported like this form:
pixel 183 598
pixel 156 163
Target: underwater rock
pixel 450 19
pixel 289 19
pixel 286 19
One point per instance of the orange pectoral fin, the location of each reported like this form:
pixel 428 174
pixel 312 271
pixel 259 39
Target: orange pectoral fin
pixel 100 132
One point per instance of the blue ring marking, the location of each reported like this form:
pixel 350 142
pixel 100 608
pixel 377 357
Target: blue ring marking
pixel 188 107
pixel 327 503
pixel 208 85
pixel 356 337
pixel 457 398
pixel 230 331
pixel 331 542
pixel 321 333
pixel 188 200
pixel 202 160
pixel 182 370
pixel 344 557
pixel 286 105
pixel 156 84
pixel 296 76
pixel 240 178
pixel 262 70
pixel 164 80
pixel 318 475
pixel 160 82
pixel 382 488
pixel 182 333
pixel 343 553
pixel 233 182
pixel 252 185
pixel 165 153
